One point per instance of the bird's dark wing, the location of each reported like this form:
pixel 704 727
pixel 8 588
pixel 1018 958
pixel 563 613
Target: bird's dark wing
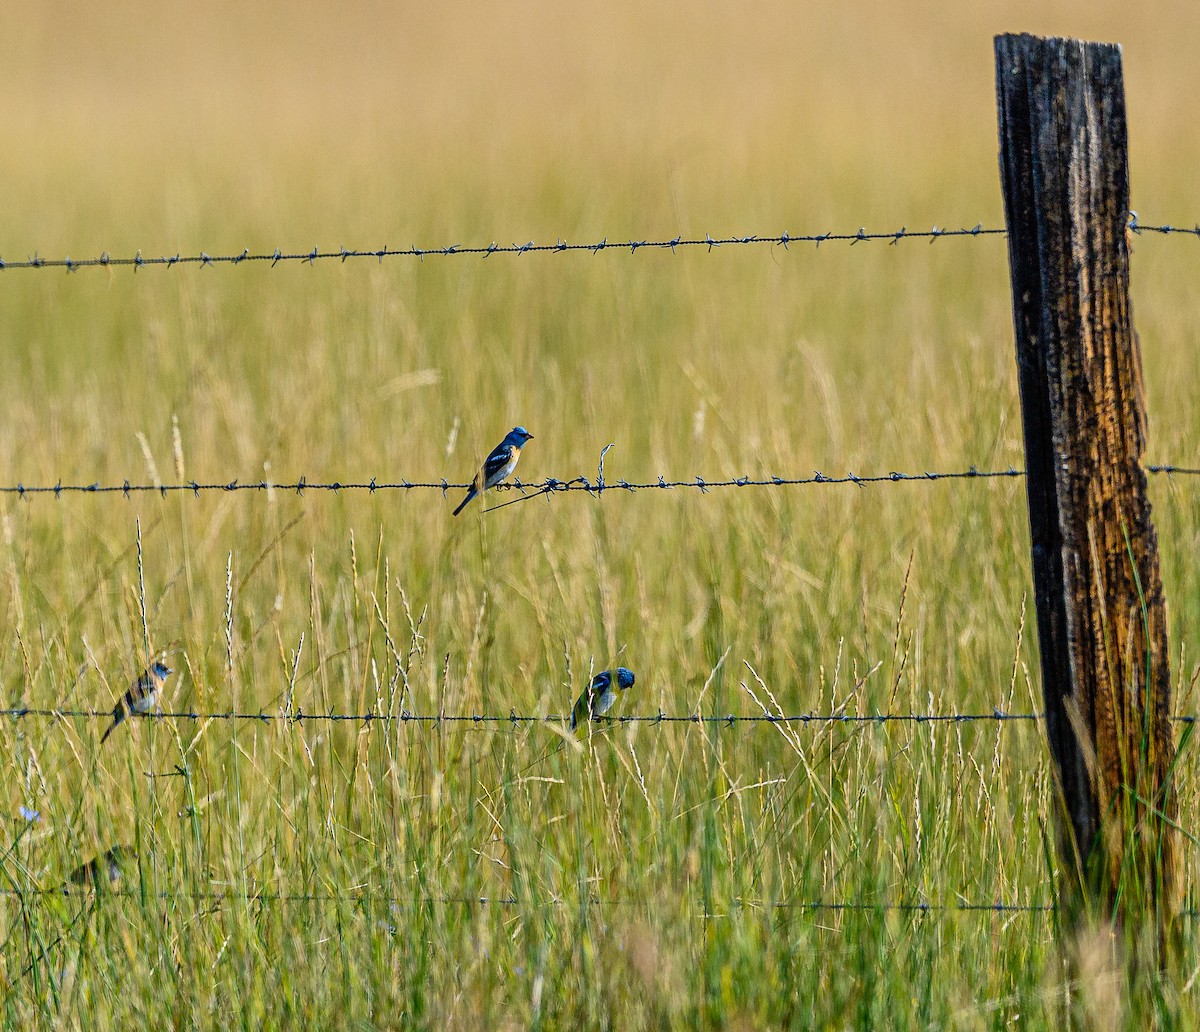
pixel 580 713
pixel 85 874
pixel 494 464
pixel 142 687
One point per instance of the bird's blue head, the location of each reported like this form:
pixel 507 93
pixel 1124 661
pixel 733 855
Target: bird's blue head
pixel 603 680
pixel 160 669
pixel 518 435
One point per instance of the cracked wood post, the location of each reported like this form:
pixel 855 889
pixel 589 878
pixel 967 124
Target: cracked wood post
pixel 1101 615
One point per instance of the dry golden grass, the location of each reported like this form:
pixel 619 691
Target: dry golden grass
pixel 186 130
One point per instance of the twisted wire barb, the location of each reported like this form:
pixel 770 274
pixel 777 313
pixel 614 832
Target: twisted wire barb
pixel 560 246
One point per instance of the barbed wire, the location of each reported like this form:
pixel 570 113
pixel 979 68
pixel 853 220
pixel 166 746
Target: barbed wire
pixel 495 721
pixel 533 489
pixel 551 485
pixel 1165 229
pixel 382 899
pixel 106 260
pixel 560 246
pixel 1186 471
pixel 385 899
pixel 514 719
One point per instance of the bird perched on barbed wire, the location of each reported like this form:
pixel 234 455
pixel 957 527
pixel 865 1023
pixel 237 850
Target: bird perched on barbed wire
pixel 105 869
pixel 499 465
pixel 142 696
pixel 601 695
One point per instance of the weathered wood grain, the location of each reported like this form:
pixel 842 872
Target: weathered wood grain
pixel 1101 614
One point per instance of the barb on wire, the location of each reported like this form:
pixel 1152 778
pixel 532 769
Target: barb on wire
pixel 514 719
pixel 551 485
pixel 560 246
pixel 600 467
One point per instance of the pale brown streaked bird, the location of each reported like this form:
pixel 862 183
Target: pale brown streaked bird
pixel 142 696
pixel 1131 227
pixel 105 869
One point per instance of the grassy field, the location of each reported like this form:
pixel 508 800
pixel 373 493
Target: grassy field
pixel 650 878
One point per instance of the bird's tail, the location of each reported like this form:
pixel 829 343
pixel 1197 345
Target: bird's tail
pixel 579 712
pixel 118 716
pixel 471 493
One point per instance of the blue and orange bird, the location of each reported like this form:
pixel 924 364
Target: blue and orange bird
pixel 498 466
pixel 142 696
pixel 601 695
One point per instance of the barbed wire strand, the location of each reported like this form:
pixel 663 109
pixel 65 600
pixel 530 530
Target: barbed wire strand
pixel 357 898
pixel 381 899
pixel 708 242
pixel 551 485
pixel 1164 229
pixel 515 719
pixel 534 489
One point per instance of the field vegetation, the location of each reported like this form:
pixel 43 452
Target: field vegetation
pixel 653 876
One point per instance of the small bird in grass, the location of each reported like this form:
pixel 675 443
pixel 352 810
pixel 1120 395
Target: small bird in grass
pixel 142 696
pixel 105 869
pixel 601 695
pixel 499 465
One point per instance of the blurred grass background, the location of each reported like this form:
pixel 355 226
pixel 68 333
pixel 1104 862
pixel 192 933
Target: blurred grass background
pixel 174 129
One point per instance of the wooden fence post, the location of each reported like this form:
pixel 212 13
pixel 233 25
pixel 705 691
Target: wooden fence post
pixel 1101 616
